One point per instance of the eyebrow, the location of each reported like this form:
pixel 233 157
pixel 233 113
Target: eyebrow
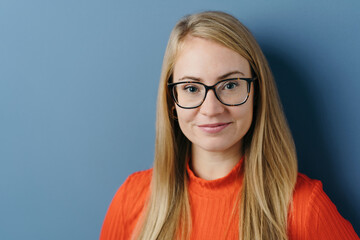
pixel 219 78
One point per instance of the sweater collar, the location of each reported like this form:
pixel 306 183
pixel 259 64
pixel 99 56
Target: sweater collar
pixel 217 187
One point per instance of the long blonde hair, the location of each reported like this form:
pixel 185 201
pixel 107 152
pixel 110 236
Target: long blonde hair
pixel 270 166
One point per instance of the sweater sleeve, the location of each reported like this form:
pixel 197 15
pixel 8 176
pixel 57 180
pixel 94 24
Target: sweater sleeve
pixel 325 222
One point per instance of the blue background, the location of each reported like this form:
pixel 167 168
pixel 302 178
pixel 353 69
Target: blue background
pixel 78 86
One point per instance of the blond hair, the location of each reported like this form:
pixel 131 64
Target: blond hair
pixel 270 166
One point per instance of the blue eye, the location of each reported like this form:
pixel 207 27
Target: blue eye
pixel 191 89
pixel 230 85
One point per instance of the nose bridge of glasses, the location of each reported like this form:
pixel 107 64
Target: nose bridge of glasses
pixel 215 95
pixel 208 88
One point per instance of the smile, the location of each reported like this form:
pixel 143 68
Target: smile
pixel 213 128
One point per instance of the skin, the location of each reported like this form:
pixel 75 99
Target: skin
pixel 213 154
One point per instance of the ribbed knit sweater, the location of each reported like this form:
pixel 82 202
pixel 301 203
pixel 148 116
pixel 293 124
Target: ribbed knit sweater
pixel 313 215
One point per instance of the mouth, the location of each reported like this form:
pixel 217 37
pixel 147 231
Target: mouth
pixel 213 128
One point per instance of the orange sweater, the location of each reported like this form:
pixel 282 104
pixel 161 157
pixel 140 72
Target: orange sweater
pixel 313 215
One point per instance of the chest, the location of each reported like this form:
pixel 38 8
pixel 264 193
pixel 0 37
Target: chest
pixel 214 217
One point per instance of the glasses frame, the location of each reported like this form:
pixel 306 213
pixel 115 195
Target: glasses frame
pixel 212 87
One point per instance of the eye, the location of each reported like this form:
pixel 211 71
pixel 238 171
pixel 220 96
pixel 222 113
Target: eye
pixel 191 89
pixel 230 85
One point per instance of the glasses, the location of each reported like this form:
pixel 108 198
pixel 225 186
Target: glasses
pixel 230 92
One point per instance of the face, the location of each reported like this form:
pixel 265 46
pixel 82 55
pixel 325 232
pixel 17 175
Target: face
pixel 213 126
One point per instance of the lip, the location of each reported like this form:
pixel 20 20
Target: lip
pixel 213 128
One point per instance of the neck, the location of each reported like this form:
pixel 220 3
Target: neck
pixel 213 165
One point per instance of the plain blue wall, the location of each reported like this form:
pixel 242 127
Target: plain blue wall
pixel 78 85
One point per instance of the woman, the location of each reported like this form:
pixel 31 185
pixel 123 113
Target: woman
pixel 225 163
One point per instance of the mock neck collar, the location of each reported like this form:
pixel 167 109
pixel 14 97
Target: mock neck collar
pixel 217 187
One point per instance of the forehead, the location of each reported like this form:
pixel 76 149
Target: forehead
pixel 206 59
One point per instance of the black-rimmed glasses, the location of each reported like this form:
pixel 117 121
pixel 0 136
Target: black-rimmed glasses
pixel 230 92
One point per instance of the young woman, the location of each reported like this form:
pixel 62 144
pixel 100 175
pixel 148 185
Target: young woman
pixel 225 163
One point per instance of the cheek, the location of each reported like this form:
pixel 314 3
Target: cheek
pixel 185 117
pixel 243 119
pixel 244 116
pixel 248 118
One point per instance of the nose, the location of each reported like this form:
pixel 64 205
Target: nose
pixel 211 105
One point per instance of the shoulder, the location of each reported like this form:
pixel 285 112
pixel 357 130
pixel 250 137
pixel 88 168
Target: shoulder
pixel 138 179
pixel 127 206
pixel 135 186
pixel 314 214
pixel 309 195
pixel 305 192
pixel 305 186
